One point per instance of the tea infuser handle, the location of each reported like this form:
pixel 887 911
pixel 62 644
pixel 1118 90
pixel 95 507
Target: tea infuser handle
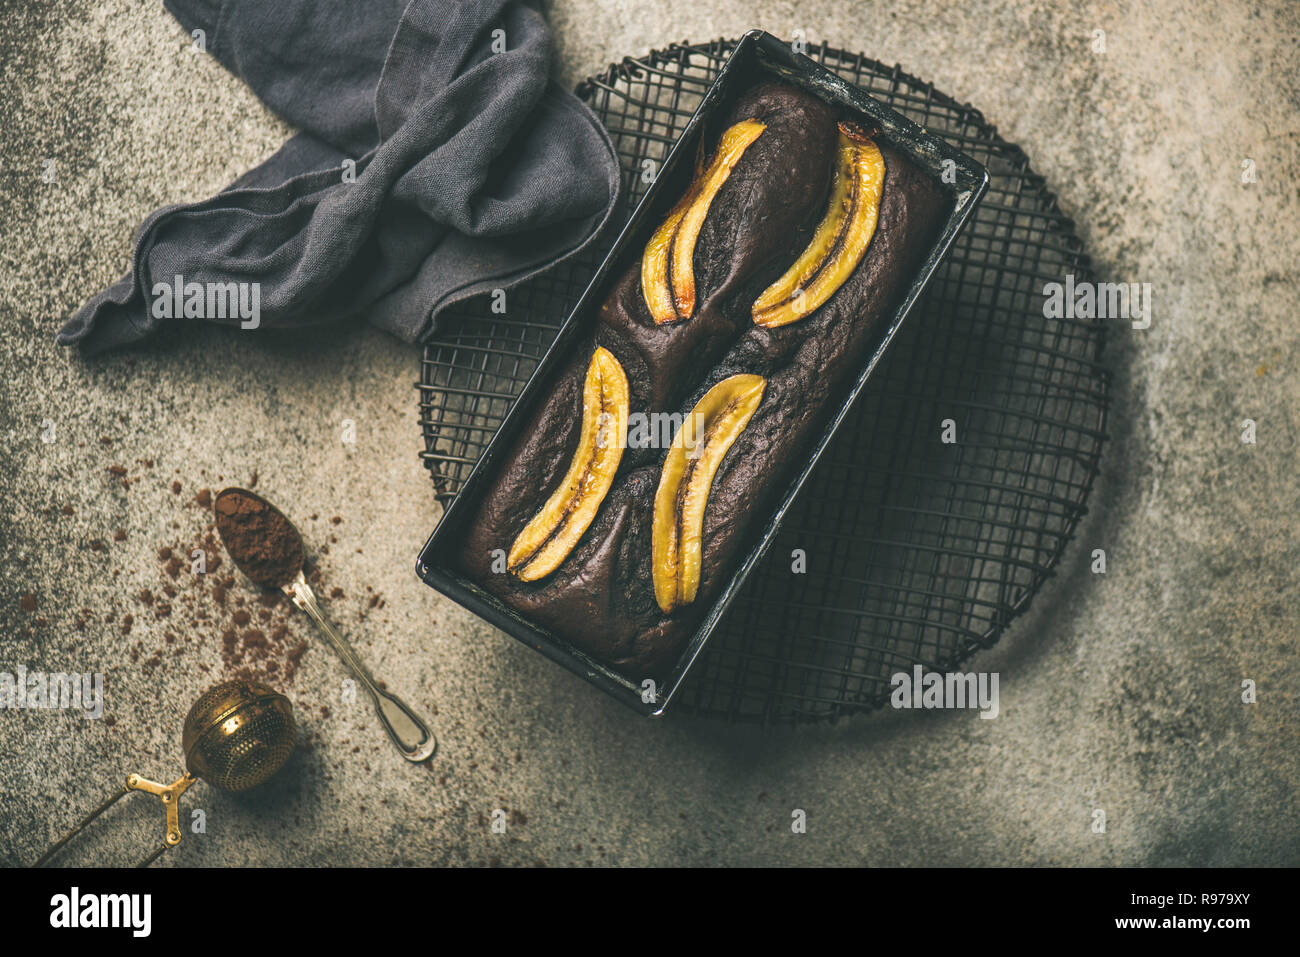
pixel 169 794
pixel 58 846
pixel 158 852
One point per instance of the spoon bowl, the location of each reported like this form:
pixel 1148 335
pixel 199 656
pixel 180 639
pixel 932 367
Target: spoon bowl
pixel 260 540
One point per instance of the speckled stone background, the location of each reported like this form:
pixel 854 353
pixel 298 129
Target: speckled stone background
pixel 1120 692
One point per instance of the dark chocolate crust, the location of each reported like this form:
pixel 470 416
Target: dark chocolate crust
pixel 601 598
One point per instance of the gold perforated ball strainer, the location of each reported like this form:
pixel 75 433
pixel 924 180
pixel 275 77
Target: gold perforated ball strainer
pixel 237 735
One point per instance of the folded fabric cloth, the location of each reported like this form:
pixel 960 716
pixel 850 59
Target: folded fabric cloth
pixel 435 161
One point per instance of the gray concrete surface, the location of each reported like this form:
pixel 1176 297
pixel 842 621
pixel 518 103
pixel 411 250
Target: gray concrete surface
pixel 1119 692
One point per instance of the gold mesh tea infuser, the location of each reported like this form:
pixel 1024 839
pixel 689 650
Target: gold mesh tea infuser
pixel 237 735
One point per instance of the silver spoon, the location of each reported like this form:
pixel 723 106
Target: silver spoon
pixel 244 517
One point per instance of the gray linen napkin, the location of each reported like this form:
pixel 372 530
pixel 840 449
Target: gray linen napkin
pixel 436 160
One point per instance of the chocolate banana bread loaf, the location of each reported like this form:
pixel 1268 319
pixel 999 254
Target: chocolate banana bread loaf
pixel 715 364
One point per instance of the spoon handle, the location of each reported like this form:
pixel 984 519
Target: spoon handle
pixel 408 732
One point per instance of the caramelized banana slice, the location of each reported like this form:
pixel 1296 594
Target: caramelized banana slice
pixel 692 461
pixel 553 532
pixel 841 238
pixel 671 295
pixel 654 267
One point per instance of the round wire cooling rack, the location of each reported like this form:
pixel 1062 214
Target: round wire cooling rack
pixel 917 550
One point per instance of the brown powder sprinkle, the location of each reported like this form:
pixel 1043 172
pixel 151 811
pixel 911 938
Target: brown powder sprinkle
pixel 176 488
pixel 252 652
pixel 255 631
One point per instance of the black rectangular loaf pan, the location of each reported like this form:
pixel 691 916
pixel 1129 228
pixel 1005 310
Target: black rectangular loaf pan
pixel 758 56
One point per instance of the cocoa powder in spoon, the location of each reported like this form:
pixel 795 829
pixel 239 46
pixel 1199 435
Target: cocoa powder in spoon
pixel 262 542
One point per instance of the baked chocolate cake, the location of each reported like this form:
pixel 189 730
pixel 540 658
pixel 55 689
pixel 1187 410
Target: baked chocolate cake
pixel 714 366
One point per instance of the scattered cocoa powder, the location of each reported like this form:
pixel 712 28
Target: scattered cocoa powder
pixel 117 470
pixel 176 488
pixel 27 603
pixel 67 510
pixel 119 535
pixel 255 630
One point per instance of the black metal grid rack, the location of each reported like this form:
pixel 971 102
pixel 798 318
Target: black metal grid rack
pixel 917 551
